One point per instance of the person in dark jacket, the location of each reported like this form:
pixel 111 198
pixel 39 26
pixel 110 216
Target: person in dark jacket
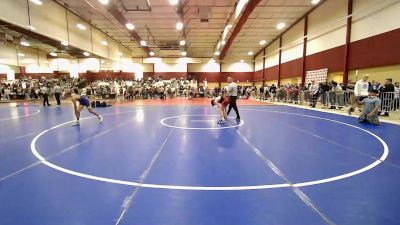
pixel 387 96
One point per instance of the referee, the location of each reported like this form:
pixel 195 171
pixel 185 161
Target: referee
pixel 233 93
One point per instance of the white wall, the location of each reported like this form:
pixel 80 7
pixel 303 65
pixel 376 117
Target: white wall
pixel 164 67
pixel 49 19
pixel 259 62
pixel 8 54
pixel 14 11
pixel 372 19
pixel 292 43
pixel 327 26
pixel 210 66
pixel 237 66
pixel 272 55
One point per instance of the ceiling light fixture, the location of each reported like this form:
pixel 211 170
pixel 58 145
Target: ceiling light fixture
pixel 105 43
pixel 151 53
pixel 263 42
pixel 182 42
pixel 314 2
pixel 184 53
pixel 53 54
pixel 143 43
pixel 250 53
pixel 31 27
pixel 173 2
pixel 37 2
pixel 25 43
pixel 280 26
pixel 81 26
pixel 223 42
pixel 130 26
pixel 179 26
pixel 86 54
pixel 217 53
pixel 104 2
pixel 241 61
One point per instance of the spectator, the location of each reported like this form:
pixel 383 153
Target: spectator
pixel 387 96
pixel 336 96
pixel 360 92
pixel 262 93
pixel 313 88
pixel 397 95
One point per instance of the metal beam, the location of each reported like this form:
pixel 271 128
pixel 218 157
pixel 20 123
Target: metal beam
pixel 347 45
pixel 305 39
pixel 280 60
pixel 114 11
pixel 243 18
pixel 263 59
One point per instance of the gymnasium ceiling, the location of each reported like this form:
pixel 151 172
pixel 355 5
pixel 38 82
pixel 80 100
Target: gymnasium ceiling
pixel 204 24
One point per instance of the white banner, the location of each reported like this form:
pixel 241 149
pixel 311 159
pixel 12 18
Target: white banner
pixel 319 76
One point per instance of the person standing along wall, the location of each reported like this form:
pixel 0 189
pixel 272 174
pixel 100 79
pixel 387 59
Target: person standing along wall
pixel 233 93
pixel 360 92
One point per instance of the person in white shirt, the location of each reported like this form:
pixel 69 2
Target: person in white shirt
pixel 360 92
pixel 313 90
pixel 57 93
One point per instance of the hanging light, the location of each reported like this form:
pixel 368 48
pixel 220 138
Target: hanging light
pixel 130 26
pixel 280 26
pixel 179 26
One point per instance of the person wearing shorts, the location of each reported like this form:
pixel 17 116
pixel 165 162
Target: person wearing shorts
pixel 83 102
pixel 222 103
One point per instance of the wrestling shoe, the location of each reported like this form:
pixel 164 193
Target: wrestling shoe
pixel 101 119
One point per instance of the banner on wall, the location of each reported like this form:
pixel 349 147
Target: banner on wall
pixel 319 76
pixel 11 75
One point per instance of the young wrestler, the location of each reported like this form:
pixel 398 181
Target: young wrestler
pixel 83 102
pixel 222 103
pixel 372 104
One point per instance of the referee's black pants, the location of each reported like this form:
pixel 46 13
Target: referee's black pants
pixel 58 98
pixel 46 100
pixel 232 104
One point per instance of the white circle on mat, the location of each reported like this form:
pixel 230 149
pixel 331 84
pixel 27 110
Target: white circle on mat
pixel 163 122
pixel 219 188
